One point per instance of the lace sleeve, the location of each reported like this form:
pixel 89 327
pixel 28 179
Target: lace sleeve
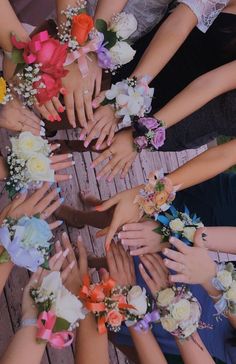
pixel 206 11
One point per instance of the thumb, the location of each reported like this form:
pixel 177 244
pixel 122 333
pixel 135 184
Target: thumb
pixel 107 204
pixel 200 237
pixel 98 100
pixel 103 274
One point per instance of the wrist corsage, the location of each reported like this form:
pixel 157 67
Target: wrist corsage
pixel 225 281
pixel 180 311
pixel 58 311
pixel 112 305
pixel 181 225
pixel 28 162
pixel 40 68
pixel 156 196
pixel 149 133
pixel 5 92
pixel 26 242
pixel 130 98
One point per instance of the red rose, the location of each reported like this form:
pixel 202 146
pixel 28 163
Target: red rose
pixel 81 26
pixel 52 88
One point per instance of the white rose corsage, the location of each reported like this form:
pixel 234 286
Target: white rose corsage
pixel 130 98
pixel 58 311
pixel 26 242
pixel 28 162
pixel 225 281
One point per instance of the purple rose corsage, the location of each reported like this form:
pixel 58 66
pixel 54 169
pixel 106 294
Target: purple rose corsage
pixel 149 133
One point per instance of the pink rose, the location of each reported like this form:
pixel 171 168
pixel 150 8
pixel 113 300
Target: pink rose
pixel 159 138
pixel 141 142
pixel 149 123
pixel 114 318
pixel 52 88
pixel 119 298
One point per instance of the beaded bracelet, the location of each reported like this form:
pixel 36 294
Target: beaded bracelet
pixel 28 322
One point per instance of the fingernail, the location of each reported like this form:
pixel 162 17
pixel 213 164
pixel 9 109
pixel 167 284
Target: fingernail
pixel 63 91
pixel 64 234
pixel 72 264
pixel 58 254
pixel 58 244
pixel 94 104
pixel 58 118
pixel 70 155
pixel 58 190
pixel 141 266
pixel 62 200
pixel 66 252
pixel 58 145
pixel 51 118
pixel 42 123
pixel 60 222
pixel 109 143
pixel 131 252
pixel 70 176
pixel 102 271
pixel 98 178
pixel 109 179
pixel 74 125
pixel 171 240
pixel 123 242
pixel 86 144
pixel 165 251
pixel 98 147
pixel 119 235
pixel 124 228
pixel 61 109
pixel 81 137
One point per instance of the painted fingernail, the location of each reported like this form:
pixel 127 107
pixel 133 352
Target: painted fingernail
pixel 62 200
pixel 123 241
pixel 66 252
pixel 73 163
pixel 42 123
pixel 58 190
pixel 124 228
pixel 172 240
pixel 119 236
pixel 58 244
pixel 64 234
pixel 109 179
pixel 60 222
pixel 58 145
pixel 165 251
pixel 72 264
pixel 141 266
pixel 94 103
pixel 70 176
pixel 58 118
pixel 109 143
pixel 61 109
pixel 63 91
pixel 51 118
pixel 97 208
pixel 98 147
pixel 70 155
pixel 86 144
pixel 81 137
pixel 58 254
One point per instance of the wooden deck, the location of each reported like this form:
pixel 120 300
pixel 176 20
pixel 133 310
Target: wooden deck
pixel 83 179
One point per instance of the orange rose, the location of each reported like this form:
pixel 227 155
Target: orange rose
pixel 161 198
pixel 81 26
pixel 114 318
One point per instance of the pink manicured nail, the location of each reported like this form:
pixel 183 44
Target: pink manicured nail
pixel 72 264
pixel 58 118
pixel 86 144
pixel 63 91
pixel 61 109
pixel 98 147
pixel 94 104
pixel 51 118
pixel 98 178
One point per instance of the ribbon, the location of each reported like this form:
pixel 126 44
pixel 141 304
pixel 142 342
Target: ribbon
pixel 81 55
pixel 144 324
pixel 57 340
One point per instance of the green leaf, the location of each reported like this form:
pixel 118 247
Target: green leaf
pixel 110 39
pixel 45 265
pixel 17 56
pixel 101 25
pixel 61 325
pixel 107 102
pixel 19 68
pixel 4 257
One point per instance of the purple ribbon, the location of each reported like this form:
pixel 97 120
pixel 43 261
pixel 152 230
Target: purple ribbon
pixel 221 305
pixel 144 324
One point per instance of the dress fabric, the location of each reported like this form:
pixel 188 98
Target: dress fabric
pixel 214 201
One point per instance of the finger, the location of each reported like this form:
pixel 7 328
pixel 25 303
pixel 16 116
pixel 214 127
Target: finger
pixel 158 265
pixel 104 131
pixel 174 255
pixel 98 99
pixel 147 279
pixel 106 170
pixel 61 261
pixel 177 267
pixel 54 147
pixel 79 105
pixel 133 242
pixel 139 251
pixel 70 110
pixel 111 261
pixel 18 200
pixel 26 127
pixel 87 130
pixel 44 112
pixel 179 278
pixel 98 85
pixel 111 135
pixel 93 133
pixel 152 269
pixel 126 262
pixel 67 245
pixel 134 234
pixel 32 116
pixel 126 168
pixel 53 207
pixel 83 260
pixel 103 156
pixel 66 272
pixel 88 105
pixel 63 177
pixel 60 166
pixel 103 274
pixel 60 157
pixel 179 245
pixel 52 111
pixel 132 227
pixel 57 104
pixel 58 246
pixel 200 237
pixel 35 124
pixel 102 232
pixel 111 232
pixel 35 278
pixel 38 195
pixel 54 259
pixel 45 202
pixel 107 204
pixel 54 225
pixel 132 269
pixel 115 170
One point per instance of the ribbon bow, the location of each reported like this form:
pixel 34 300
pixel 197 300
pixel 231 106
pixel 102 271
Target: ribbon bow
pixel 144 324
pixel 57 340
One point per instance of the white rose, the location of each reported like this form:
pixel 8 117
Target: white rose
pixel 124 25
pixel 195 312
pixel 52 283
pixel 225 278
pixel 181 310
pixel 189 331
pixel 122 53
pixel 231 294
pixel 189 233
pixel 137 298
pixel 176 225
pixel 165 297
pixel 39 169
pixel 27 144
pixel 169 324
pixel 68 306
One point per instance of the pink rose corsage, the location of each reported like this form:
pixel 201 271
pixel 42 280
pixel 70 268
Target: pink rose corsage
pixel 149 133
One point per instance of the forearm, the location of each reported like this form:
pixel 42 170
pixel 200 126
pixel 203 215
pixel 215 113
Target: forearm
pixel 191 353
pixel 205 166
pixel 9 23
pixel 62 5
pixel 91 347
pixel 149 351
pixel 23 348
pixel 198 93
pixel 221 239
pixel 107 8
pixel 166 42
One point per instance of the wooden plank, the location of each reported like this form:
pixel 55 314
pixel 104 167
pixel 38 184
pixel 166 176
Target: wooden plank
pixel 6 332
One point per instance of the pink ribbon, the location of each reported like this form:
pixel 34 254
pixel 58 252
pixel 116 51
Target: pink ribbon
pixel 81 55
pixel 57 340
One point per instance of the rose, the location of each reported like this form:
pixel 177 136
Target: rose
pixel 168 323
pixel 231 294
pixel 148 207
pixel 225 278
pixel 165 297
pixel 137 298
pixel 189 233
pixel 114 318
pixel 181 310
pixel 161 198
pixel 176 225
pixel 159 138
pixel 189 331
pixel 51 284
pixel 68 307
pixel 141 142
pixel 82 24
pixel 36 232
pixel 195 312
pixel 38 168
pixel 27 144
pixel 47 87
pixel 124 25
pixel 119 298
pixel 122 53
pixel 149 123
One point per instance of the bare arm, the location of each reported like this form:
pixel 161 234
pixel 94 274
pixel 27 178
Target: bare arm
pixel 169 37
pixel 198 93
pixel 107 8
pixel 91 347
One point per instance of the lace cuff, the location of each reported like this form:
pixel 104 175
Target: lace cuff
pixel 206 11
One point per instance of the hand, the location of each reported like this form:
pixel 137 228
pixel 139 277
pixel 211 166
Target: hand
pixel 40 202
pixel 141 238
pixel 125 211
pixel 15 117
pixel 157 276
pixel 103 125
pixel 59 162
pixel 77 270
pixel 121 154
pixel 51 109
pixel 80 90
pixel 121 266
pixel 192 264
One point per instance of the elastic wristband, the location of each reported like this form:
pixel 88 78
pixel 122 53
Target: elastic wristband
pixel 28 323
